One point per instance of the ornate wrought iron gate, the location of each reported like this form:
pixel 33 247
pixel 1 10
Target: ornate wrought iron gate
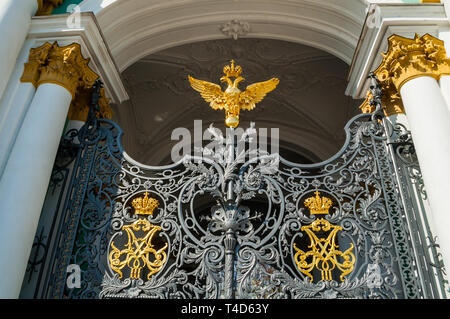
pixel 350 227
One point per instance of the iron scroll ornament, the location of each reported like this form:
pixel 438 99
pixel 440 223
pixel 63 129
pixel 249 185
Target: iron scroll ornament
pixel 233 250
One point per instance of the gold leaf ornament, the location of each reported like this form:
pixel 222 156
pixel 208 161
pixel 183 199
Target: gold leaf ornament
pixel 323 254
pixel 232 100
pixel 139 252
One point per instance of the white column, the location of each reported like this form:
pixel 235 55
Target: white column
pixel 24 182
pixel 444 82
pixel 14 104
pixel 15 18
pixel 429 121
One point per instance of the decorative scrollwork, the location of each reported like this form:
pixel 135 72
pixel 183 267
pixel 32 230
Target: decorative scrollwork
pixel 239 227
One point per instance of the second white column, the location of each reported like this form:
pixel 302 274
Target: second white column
pixel 429 121
pixel 15 18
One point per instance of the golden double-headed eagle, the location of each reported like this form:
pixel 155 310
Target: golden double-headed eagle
pixel 232 99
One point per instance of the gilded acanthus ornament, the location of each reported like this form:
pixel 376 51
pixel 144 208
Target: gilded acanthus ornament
pixel 64 66
pixel 233 100
pixel 79 108
pixel 391 101
pixel 36 59
pixel 407 59
pixel 67 67
pixel 45 7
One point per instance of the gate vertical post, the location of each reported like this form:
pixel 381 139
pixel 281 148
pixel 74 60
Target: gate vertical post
pixel 230 239
pixel 230 244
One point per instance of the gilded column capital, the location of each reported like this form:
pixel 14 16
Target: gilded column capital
pixel 36 59
pixel 410 58
pixel 45 7
pixel 391 101
pixel 64 66
pixel 67 67
pixel 79 108
pixel 405 60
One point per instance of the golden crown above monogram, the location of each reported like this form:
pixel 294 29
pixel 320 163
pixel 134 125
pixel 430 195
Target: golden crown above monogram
pixel 144 205
pixel 318 205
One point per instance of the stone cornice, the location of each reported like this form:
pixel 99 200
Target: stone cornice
pixel 45 7
pixel 64 66
pixel 405 60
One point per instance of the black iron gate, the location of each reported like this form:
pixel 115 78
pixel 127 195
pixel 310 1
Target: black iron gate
pixel 353 226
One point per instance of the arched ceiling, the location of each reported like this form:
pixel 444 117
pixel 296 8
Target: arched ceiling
pixel 309 106
pixel 136 28
pixel 308 44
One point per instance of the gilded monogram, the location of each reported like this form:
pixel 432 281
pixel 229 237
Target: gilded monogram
pixel 139 252
pixel 324 254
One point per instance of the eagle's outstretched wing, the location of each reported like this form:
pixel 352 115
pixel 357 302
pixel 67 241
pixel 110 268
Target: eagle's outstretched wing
pixel 255 92
pixel 212 93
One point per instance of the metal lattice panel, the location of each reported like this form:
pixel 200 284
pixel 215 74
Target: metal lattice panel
pixel 213 227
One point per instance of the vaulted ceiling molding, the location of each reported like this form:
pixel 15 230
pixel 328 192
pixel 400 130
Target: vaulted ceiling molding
pixel 137 28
